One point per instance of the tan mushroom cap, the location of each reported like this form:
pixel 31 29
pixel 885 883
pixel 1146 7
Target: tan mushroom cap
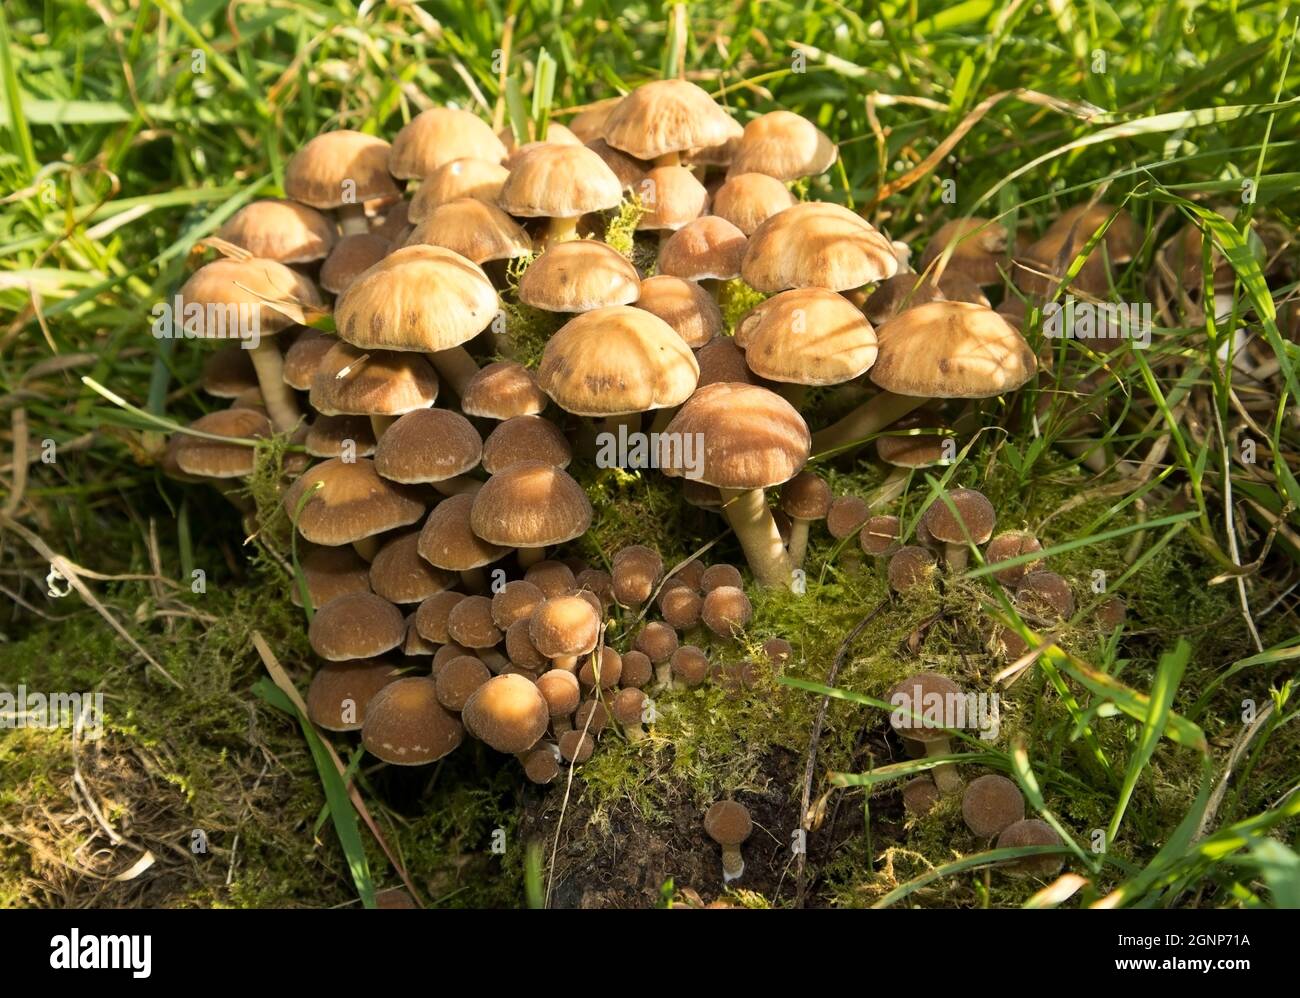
pixel 429 445
pixel 352 503
pixel 396 223
pixel 281 230
pixel 564 626
pixel 690 665
pixel 559 181
pixel 680 606
pixel 406 725
pixel 579 276
pixel 525 438
pixel 476 230
pixel 637 669
pixel 915 450
pixel 807 336
pixel 340 692
pixel 448 541
pixel 470 623
pixel 753 438
pixel 684 305
pixel 904 291
pixel 458 679
pixel 304 356
pixel 747 200
pixel 806 496
pixel 951 350
pixel 508 713
pixel 351 257
pixel 726 611
pixel 628 706
pixel 422 298
pixel 351 381
pixel 783 145
pixel 516 600
pixel 617 360
pixel 979 245
pixel 561 691
pixel 880 535
pixel 589 123
pixel 458 178
pixel 228 372
pixel 502 390
pixel 519 646
pixel 629 170
pixel 335 436
pixel 728 823
pixel 721 360
pixel 355 625
pixel 530 505
pixel 816 244
pixel 635 571
pixel 400 575
pixel 553 578
pixel 440 135
pixel 431 616
pixel 990 803
pixel 707 248
pixel 214 459
pixel 262 291
pixel 340 168
pixel 670 197
pixel 667 116
pixel 331 572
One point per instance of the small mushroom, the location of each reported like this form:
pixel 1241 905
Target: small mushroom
pixel 628 708
pixel 990 804
pixel 508 713
pixel 729 824
pixel 925 705
pixel 1008 545
pixel 805 499
pixel 969 520
pixel 1031 832
pixel 726 611
pixel 689 665
pixel 405 725
pixel 911 567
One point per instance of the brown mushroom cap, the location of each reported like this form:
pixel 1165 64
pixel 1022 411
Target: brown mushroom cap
pixel 591 716
pixel 684 305
pixel 262 291
pixel 475 229
pixel 589 123
pixel 951 350
pixel 980 245
pixel 449 541
pixel 783 145
pixel 657 641
pixel 617 360
pixel 806 496
pixel 1111 613
pixel 903 291
pixel 542 764
pixel 747 200
pixel 667 116
pixel 637 669
pixel 991 803
pixel 451 650
pixel 458 679
pixel 441 135
pixel 331 572
pixel 303 358
pixel 214 459
pixel 508 713
pixel 396 223
pixel 753 438
pixel 352 503
pixel 911 567
pixel 923 706
pixel 719 575
pixel 421 298
pixel 351 257
pixel 520 647
pixel 726 611
pixel 1012 544
pixel 353 382
pixel 501 390
pixel 340 692
pixel 553 578
pixel 705 248
pixel 628 706
pixel 778 651
pixel 564 626
pixel 552 180
pixel 670 197
pixel 920 796
pixel 722 361
pixel 339 168
pixel 525 438
pixel 516 600
pixel 406 725
pixel 601 669
pixel 971 518
pixel 561 691
pixel 280 230
pixel 576 747
pixel 816 244
pixel 470 623
pixel 637 569
pixel 428 445
pixel 228 372
pixel 914 449
pixel 466 177
pixel 807 336
pixel 1031 832
pixel 629 170
pixel 530 505
pixel 400 575
pixel 1046 595
pixel 880 536
pixel 431 616
pixel 690 665
pixel 578 276
pixel 355 625
pixel 846 515
pixel 680 606
pixel 728 823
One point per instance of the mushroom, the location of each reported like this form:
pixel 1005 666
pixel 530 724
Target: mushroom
pixel 637 669
pixel 348 503
pixel 637 569
pixel 816 244
pixel 729 824
pixel 978 247
pixel 721 574
pixel 880 536
pixel 478 231
pixel 330 572
pixel 466 177
pixel 726 611
pixel 689 666
pixel 438 136
pixel 658 642
pixel 969 520
pixel 381 385
pixel 405 725
pixel 525 438
pixel 340 171
pixel 680 606
pixel 920 795
pixel 562 693
pixel 628 708
pixel 560 183
pixel 1045 595
pixel 530 505
pixel 458 679
pixel 783 145
pixel 519 646
pixel 340 692
pixel 304 357
pixel 400 575
pixel 707 249
pixel 752 440
pixel 601 670
pixel 924 705
pixel 449 541
pixel 846 515
pixel 502 390
pixel 990 804
pixel 542 764
pixel 508 713
pixel 430 447
pixel 205 457
pixel 564 628
pixel 553 578
pixel 1009 545
pixel 228 371
pixel 805 499
pixel 1031 832
pixel 470 623
pixel 910 567
pixel 579 276
pixel 660 120
pixel 280 230
pixel 431 616
pixel 576 746
pixel 516 600
pixel 747 200
pixel 904 291
pixel 351 257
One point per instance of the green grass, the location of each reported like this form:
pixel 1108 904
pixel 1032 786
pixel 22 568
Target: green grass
pixel 130 137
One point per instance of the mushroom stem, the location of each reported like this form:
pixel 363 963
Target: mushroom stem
pixel 870 417
pixel 352 219
pixel 569 663
pixel 560 723
pixel 378 424
pixel 798 541
pixel 367 547
pixel 559 230
pixel 750 518
pixel 664 674
pixel 630 420
pixel 956 555
pixel 890 489
pixel 733 864
pixel 456 367
pixel 281 406
pixel 474 580
pixel 669 159
pixel 946 777
pixel 635 733
pixel 529 557
pixel 662 418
